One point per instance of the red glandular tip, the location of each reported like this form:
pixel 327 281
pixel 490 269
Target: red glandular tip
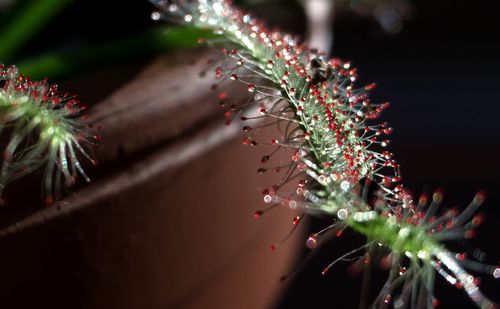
pixel 437 196
pixel 49 201
pixel 435 302
pixel 258 214
pixel 311 242
pixel 480 197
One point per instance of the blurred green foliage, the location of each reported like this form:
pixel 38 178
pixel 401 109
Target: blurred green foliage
pixel 23 19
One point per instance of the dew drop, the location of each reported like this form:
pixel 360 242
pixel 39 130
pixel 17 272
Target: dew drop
pixel 155 16
pixel 49 201
pixel 264 159
pixel 257 214
pixel 387 298
pixel 311 242
pixel 246 141
pixel 496 273
pixel 251 88
pixel 261 171
pixel 344 185
pixel 246 129
pixel 434 302
pixel 172 8
pixel 227 117
pixel 342 214
pixel 267 198
pixel 480 197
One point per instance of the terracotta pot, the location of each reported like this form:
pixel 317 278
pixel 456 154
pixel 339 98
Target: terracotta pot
pixel 167 221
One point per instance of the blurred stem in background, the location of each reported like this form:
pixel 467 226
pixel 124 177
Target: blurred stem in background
pixel 152 41
pixel 25 19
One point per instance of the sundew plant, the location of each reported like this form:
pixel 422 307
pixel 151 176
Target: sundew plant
pixel 336 156
pixel 41 128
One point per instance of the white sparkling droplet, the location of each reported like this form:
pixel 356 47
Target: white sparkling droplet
pixel 311 242
pixel 188 18
pixel 496 273
pixel 155 16
pixel 344 185
pixel 342 214
pixel 172 8
pixel 267 198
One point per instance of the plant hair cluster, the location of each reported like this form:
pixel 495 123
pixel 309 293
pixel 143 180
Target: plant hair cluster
pixel 40 127
pixel 339 163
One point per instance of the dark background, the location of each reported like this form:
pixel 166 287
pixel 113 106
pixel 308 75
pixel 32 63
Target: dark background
pixel 441 75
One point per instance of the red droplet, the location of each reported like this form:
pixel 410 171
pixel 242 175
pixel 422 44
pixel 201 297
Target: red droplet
pixel 478 219
pixel 257 214
pixel 222 95
pixel 470 234
pixel 49 201
pixel 435 302
pixel 370 86
pixel 264 159
pixel 296 220
pixel 227 117
pixel 480 197
pixel 387 298
pixel 246 129
pixel 261 171
pixel 437 197
pixel 246 141
pixel 339 233
pixel 272 248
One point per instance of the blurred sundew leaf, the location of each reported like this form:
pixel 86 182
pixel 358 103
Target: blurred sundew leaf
pixel 23 21
pixel 151 41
